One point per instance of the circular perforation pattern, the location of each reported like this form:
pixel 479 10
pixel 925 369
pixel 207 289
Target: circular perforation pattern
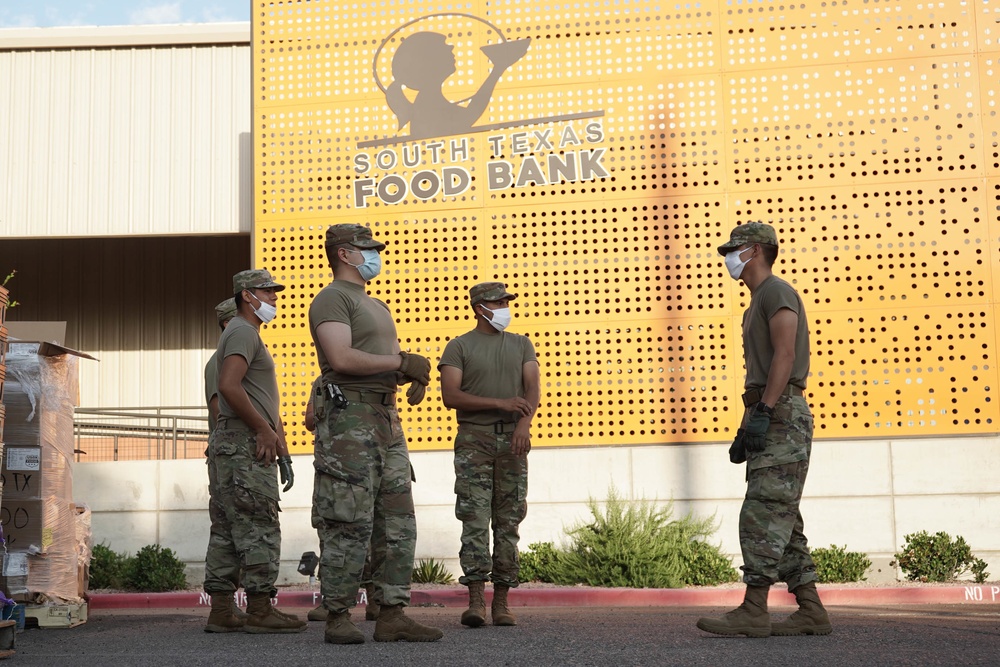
pixel 866 132
pixel 904 372
pixel 776 33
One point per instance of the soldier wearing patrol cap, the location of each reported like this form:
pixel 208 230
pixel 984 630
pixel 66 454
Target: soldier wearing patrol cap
pixel 248 438
pixel 222 552
pixel 362 491
pixel 490 377
pixel 775 441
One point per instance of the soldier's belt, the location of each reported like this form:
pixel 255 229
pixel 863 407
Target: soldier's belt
pixel 370 397
pixel 231 424
pixel 498 428
pixel 752 396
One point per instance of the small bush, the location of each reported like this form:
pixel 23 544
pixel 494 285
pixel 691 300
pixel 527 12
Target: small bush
pixel 705 565
pixel 107 567
pixel 431 572
pixel 837 565
pixel 537 564
pixel 155 569
pixel 937 558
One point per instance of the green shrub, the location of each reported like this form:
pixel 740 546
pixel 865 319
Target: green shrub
pixel 107 567
pixel 537 564
pixel 431 572
pixel 838 565
pixel 636 544
pixel 155 569
pixel 705 565
pixel 937 558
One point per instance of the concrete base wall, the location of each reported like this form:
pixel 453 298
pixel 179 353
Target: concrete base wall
pixel 865 495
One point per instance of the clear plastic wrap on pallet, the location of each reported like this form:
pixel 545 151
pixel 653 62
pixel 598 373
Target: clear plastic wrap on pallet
pixel 37 511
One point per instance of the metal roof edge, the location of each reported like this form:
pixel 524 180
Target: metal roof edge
pixel 87 37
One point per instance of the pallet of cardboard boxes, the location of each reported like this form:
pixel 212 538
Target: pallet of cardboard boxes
pixel 47 535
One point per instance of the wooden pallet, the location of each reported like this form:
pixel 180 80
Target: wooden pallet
pixel 55 615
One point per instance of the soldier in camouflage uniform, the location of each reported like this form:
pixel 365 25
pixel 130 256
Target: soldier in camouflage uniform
pixel 491 379
pixel 775 441
pixel 221 553
pixel 371 607
pixel 362 491
pixel 248 438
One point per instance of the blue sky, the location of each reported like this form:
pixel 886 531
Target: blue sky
pixel 50 13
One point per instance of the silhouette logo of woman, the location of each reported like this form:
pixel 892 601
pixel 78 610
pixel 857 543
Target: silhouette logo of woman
pixel 422 63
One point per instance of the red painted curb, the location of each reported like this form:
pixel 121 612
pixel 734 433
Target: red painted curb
pixel 581 596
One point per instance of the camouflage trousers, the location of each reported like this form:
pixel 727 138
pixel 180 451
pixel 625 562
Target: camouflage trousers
pixel 362 496
pixel 771 538
pixel 491 487
pixel 243 507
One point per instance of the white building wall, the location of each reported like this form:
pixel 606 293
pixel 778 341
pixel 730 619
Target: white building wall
pixel 865 495
pixel 109 133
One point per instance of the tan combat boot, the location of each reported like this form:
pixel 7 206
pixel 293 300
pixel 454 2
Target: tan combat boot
pixel 340 629
pixel 237 612
pixel 475 615
pixel 317 614
pixel 501 614
pixel 222 618
pixel 394 626
pixel 371 607
pixel 265 619
pixel 810 619
pixel 750 618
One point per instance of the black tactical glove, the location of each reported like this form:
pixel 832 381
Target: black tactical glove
pixel 285 468
pixel 737 450
pixel 415 393
pixel 756 427
pixel 415 367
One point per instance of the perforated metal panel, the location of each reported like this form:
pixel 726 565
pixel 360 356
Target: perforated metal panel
pixel 608 163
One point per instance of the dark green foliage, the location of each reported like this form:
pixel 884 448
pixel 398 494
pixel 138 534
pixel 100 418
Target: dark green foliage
pixel 431 572
pixel 837 565
pixel 536 565
pixel 155 569
pixel 107 567
pixel 705 565
pixel 937 558
pixel 632 544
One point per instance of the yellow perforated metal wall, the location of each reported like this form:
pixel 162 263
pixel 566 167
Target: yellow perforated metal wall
pixel 618 147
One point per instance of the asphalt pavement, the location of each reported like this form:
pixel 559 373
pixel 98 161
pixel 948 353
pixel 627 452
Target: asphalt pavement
pixel 925 635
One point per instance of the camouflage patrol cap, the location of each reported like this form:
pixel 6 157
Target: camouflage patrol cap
pixel 254 279
pixel 226 310
pixel 358 236
pixel 751 232
pixel 489 292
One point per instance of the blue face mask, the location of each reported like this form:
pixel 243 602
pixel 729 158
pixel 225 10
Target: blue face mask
pixel 372 265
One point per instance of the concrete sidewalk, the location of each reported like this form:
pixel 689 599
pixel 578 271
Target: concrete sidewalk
pixel 583 596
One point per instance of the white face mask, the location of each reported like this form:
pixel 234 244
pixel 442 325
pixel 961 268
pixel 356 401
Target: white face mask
pixel 266 311
pixel 735 264
pixel 501 318
pixel 372 265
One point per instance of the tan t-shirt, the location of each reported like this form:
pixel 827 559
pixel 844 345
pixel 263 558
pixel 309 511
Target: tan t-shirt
pixel 492 366
pixel 211 387
pixel 771 296
pixel 372 330
pixel 240 337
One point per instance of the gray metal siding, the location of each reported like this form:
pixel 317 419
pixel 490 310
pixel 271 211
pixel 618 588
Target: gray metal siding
pixel 125 141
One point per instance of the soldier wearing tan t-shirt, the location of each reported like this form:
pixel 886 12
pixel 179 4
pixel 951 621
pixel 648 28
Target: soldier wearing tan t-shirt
pixel 362 491
pixel 775 442
pixel 248 440
pixel 490 377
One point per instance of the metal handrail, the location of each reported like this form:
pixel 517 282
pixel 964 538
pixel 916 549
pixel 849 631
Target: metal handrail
pixel 162 434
